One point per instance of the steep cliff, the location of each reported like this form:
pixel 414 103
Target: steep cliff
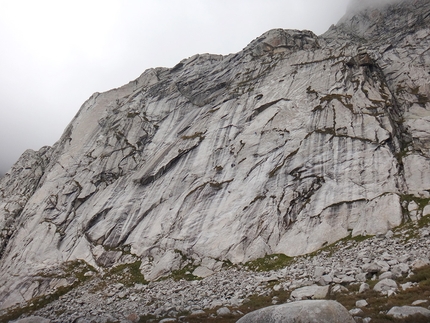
pixel 289 145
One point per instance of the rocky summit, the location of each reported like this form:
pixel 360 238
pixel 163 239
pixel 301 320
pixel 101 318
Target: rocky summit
pixel 284 148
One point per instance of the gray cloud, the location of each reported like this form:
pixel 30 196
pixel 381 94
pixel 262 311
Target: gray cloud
pixel 55 54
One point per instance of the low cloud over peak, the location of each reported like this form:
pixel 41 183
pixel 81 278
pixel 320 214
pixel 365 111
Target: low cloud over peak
pixel 357 5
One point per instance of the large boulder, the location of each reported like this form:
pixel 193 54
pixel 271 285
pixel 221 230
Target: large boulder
pixel 406 311
pixel 385 285
pixel 32 319
pixel 309 311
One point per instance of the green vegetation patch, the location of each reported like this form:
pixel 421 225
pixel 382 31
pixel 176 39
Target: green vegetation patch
pixel 184 273
pixel 424 221
pixel 269 262
pixel 78 269
pixel 332 248
pixel 35 304
pixel 421 276
pixel 422 202
pixel 127 274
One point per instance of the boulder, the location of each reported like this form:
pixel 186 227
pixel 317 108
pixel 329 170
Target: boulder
pixel 223 311
pixel 371 268
pixel 406 311
pixel 132 317
pixel 356 311
pixel 361 303
pixel 407 285
pixel 308 311
pixel 420 263
pixel 400 270
pixel 310 292
pixel 202 272
pixel 387 274
pixel 389 234
pixel 347 279
pixel 171 260
pixel 338 289
pixel 325 279
pixel 361 277
pixel 363 287
pixel 385 285
pixel 319 272
pixel 33 319
pixel 211 263
pixel 197 313
pixel 168 320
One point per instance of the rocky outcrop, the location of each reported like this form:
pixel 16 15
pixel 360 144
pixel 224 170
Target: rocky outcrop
pixel 287 146
pixel 18 185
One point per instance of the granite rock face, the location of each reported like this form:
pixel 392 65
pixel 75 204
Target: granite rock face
pixel 291 144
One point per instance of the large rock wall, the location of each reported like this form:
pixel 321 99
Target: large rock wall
pixel 289 145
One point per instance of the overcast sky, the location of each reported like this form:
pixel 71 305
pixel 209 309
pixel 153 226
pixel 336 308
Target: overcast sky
pixel 56 53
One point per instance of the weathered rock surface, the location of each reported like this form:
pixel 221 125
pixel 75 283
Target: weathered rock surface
pixel 301 312
pixel 386 285
pixel 310 292
pixel 33 319
pixel 361 303
pixel 406 311
pixel 223 311
pixel 287 146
